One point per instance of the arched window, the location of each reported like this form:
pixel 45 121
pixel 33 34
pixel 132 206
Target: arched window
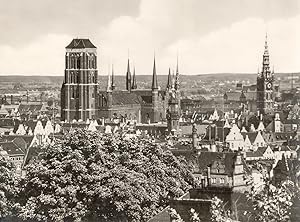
pixel 78 63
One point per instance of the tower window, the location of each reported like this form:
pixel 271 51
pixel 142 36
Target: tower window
pixel 78 63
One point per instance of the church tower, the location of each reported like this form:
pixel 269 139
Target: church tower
pixel 79 88
pixel 265 85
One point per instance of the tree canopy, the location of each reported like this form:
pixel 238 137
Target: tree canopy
pixel 7 187
pixel 95 177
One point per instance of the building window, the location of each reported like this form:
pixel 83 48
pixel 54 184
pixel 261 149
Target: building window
pixel 222 180
pixel 213 180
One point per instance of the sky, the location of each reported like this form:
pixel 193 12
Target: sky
pixel 209 36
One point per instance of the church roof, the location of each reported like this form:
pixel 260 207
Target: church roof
pixel 124 98
pixel 80 44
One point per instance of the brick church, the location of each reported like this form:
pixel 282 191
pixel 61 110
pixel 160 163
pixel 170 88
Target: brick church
pixel 81 98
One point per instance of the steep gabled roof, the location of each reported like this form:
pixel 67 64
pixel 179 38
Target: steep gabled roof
pixel 206 159
pixel 80 44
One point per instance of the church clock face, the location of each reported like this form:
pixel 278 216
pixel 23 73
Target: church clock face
pixel 269 85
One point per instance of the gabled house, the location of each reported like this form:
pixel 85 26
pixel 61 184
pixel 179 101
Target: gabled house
pixel 222 169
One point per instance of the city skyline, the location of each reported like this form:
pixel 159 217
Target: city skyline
pixel 229 40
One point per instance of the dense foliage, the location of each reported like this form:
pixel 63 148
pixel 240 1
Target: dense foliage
pixel 272 203
pixel 95 177
pixel 7 187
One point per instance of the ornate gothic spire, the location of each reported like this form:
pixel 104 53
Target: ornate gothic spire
pixel 128 77
pixel 154 77
pixel 134 85
pixel 266 63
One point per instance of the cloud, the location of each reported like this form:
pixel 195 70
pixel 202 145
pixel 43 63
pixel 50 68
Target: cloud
pixel 43 57
pixel 209 36
pixel 235 47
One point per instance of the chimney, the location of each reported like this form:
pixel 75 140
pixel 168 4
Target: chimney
pixel 208 176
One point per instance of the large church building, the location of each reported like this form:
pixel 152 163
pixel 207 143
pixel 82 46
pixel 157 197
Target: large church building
pixel 82 99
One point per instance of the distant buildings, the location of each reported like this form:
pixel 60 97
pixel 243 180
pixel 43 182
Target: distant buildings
pixel 81 98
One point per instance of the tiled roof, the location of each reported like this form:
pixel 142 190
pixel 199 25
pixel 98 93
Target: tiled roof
pixel 80 44
pixel 27 138
pixel 124 98
pixel 11 148
pixel 6 122
pixel 207 158
pixel 30 107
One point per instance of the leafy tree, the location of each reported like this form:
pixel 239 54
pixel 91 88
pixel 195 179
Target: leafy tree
pixel 174 216
pixel 271 203
pixel 194 216
pixel 218 212
pixel 94 177
pixel 7 187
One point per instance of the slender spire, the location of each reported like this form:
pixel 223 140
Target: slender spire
pixel 108 81
pixel 266 52
pixel 266 63
pixel 169 83
pixel 173 79
pixel 134 85
pixel 113 86
pixel 154 76
pixel 177 76
pixel 128 77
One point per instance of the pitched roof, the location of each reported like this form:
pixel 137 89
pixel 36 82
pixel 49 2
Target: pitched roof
pixel 251 135
pixel 124 98
pixel 27 138
pixel 207 158
pixel 80 44
pixel 6 122
pixel 11 148
pixel 30 107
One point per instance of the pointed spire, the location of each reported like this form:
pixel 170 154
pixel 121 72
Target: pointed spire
pixel 177 76
pixel 128 77
pixel 134 85
pixel 108 81
pixel 169 83
pixel 173 79
pixel 113 86
pixel 266 52
pixel 154 76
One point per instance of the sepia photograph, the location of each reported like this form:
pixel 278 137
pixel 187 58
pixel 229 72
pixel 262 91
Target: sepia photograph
pixel 150 111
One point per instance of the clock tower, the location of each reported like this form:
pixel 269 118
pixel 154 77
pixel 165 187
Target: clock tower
pixel 265 85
